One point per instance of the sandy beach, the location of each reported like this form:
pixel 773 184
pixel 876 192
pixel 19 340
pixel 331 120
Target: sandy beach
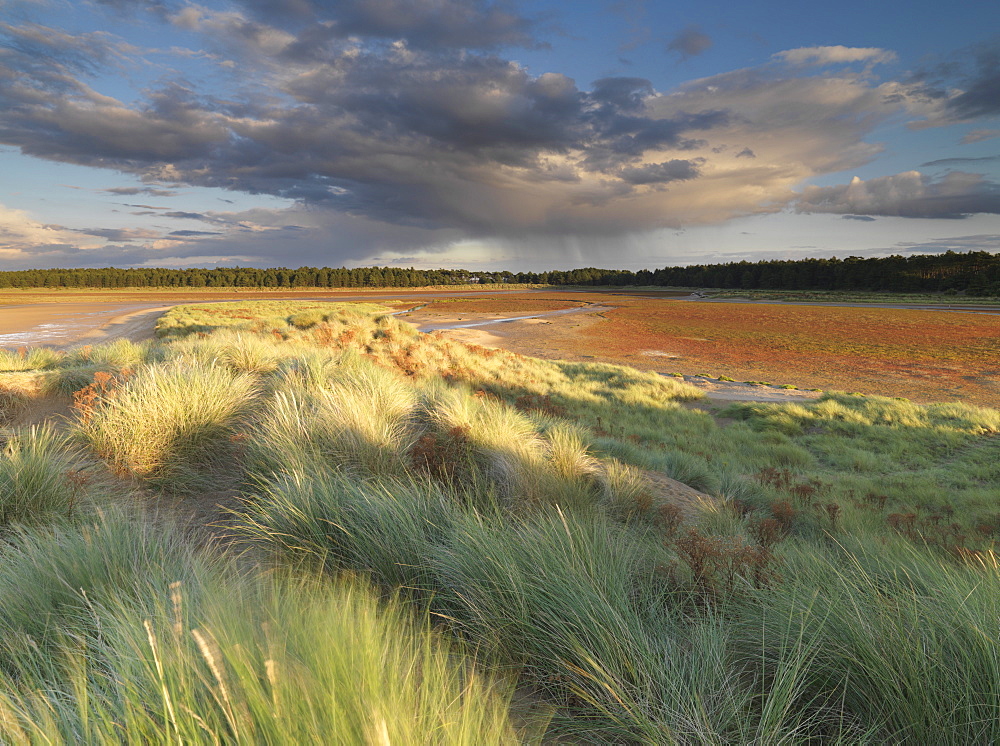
pixel 65 324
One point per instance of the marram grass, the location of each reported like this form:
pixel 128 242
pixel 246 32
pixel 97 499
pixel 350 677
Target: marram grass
pixel 36 476
pixel 171 423
pixel 837 586
pixel 162 647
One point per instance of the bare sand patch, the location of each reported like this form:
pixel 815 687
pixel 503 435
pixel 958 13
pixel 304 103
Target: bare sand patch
pixel 688 499
pixel 734 391
pixel 475 337
pixel 552 337
pixel 137 326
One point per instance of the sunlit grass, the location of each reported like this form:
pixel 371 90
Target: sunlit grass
pixel 836 584
pixel 170 423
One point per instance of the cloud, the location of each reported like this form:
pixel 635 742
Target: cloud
pixel 663 173
pixel 182 215
pixel 961 161
pixel 835 55
pixel 303 29
pixel 130 191
pixel 978 242
pixel 397 125
pixel 979 136
pixel 434 138
pixel 20 233
pixel 862 218
pixel 119 235
pixel 435 23
pixel 637 31
pixel 259 237
pixel 690 42
pixel 909 195
pixel 961 88
pixel 58 54
pixel 980 96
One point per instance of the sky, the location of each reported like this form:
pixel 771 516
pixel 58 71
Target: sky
pixel 486 135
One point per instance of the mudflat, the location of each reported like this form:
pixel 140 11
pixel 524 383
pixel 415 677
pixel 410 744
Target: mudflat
pixel 63 324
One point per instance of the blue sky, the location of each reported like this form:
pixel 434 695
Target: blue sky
pixel 494 135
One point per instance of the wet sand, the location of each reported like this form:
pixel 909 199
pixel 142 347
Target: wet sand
pixel 65 324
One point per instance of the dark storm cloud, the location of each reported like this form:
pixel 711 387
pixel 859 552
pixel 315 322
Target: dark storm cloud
pixel 690 42
pixel 964 87
pixel 981 88
pixel 53 115
pixel 663 173
pixel 406 136
pixel 908 195
pixel 862 218
pixel 328 110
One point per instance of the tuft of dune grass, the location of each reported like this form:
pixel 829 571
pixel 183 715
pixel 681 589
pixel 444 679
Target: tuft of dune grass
pixel 359 417
pixel 13 404
pixel 35 480
pixel 34 358
pixel 171 423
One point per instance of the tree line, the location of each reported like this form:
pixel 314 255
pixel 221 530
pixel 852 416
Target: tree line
pixel 249 277
pixel 974 273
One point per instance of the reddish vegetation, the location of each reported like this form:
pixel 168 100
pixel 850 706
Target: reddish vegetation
pixel 103 387
pixel 922 355
pixel 925 355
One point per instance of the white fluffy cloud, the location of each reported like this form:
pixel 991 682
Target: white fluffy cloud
pixel 21 235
